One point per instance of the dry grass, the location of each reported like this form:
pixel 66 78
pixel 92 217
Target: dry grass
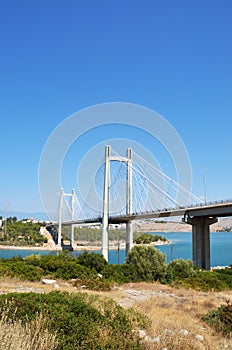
pixel 175 314
pixel 176 317
pixel 31 336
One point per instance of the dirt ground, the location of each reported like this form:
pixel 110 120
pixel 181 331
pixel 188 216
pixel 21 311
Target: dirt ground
pixel 171 311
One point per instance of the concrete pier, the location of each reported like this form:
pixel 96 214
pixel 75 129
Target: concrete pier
pixel 129 207
pixel 105 218
pixel 129 236
pixel 201 240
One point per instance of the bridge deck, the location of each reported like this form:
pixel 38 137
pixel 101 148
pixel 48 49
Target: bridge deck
pixel 213 209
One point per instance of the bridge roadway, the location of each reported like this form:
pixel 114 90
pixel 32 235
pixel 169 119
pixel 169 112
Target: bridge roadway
pixel 200 216
pixel 209 210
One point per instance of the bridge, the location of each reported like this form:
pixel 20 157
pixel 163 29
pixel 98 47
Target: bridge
pixel 200 215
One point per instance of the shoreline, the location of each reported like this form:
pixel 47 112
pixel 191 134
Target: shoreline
pixel 77 247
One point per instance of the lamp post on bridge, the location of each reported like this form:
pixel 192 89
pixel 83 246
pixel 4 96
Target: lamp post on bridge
pixel 205 193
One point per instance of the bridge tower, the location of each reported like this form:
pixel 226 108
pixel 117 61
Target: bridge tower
pixel 106 197
pixel 61 202
pixel 129 208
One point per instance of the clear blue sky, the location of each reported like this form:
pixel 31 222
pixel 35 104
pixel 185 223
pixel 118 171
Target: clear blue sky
pixel 58 57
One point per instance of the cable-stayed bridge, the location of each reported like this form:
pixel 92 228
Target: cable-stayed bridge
pixel 126 190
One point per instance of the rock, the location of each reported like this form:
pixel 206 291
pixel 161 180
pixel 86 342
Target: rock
pixel 142 333
pixel 168 332
pixel 48 281
pixel 156 340
pixel 200 337
pixel 184 331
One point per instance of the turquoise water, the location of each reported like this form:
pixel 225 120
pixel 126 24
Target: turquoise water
pixel 181 248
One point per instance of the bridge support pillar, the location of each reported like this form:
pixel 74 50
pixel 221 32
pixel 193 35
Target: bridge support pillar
pixel 201 240
pixel 60 216
pixel 72 226
pixel 105 218
pixel 129 224
pixel 129 236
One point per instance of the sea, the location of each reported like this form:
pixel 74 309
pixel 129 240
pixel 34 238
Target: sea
pixel 180 248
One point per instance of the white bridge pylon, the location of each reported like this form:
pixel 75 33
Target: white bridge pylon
pixel 153 192
pixel 106 198
pixel 62 195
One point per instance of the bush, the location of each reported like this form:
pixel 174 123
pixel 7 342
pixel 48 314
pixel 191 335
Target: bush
pixel 203 281
pixel 118 273
pixel 80 321
pixel 180 268
pixel 19 268
pixel 147 264
pixel 147 238
pixel 92 260
pixel 143 239
pixel 64 266
pixel 34 267
pixel 221 319
pixel 225 275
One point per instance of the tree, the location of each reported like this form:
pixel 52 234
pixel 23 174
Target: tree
pixel 181 268
pixel 92 260
pixel 148 263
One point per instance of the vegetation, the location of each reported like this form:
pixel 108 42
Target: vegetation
pixel 180 269
pixel 90 235
pixel 94 234
pixel 34 335
pixel 144 263
pixel 221 319
pixel 148 238
pixel 89 322
pixel 34 267
pixel 21 233
pixel 148 264
pixel 216 280
pixel 92 260
pixel 79 321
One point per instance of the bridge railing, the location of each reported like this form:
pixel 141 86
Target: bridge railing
pixel 161 210
pixel 197 205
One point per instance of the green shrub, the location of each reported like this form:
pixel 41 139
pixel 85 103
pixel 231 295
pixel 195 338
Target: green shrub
pixel 64 266
pixel 180 268
pixel 118 273
pixel 92 260
pixel 225 275
pixel 32 268
pixel 26 272
pixel 143 239
pixel 80 321
pixel 221 319
pixel 147 264
pixel 204 281
pixel 19 268
pixel 147 238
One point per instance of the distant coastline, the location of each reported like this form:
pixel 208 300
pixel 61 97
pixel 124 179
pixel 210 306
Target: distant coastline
pixel 77 247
